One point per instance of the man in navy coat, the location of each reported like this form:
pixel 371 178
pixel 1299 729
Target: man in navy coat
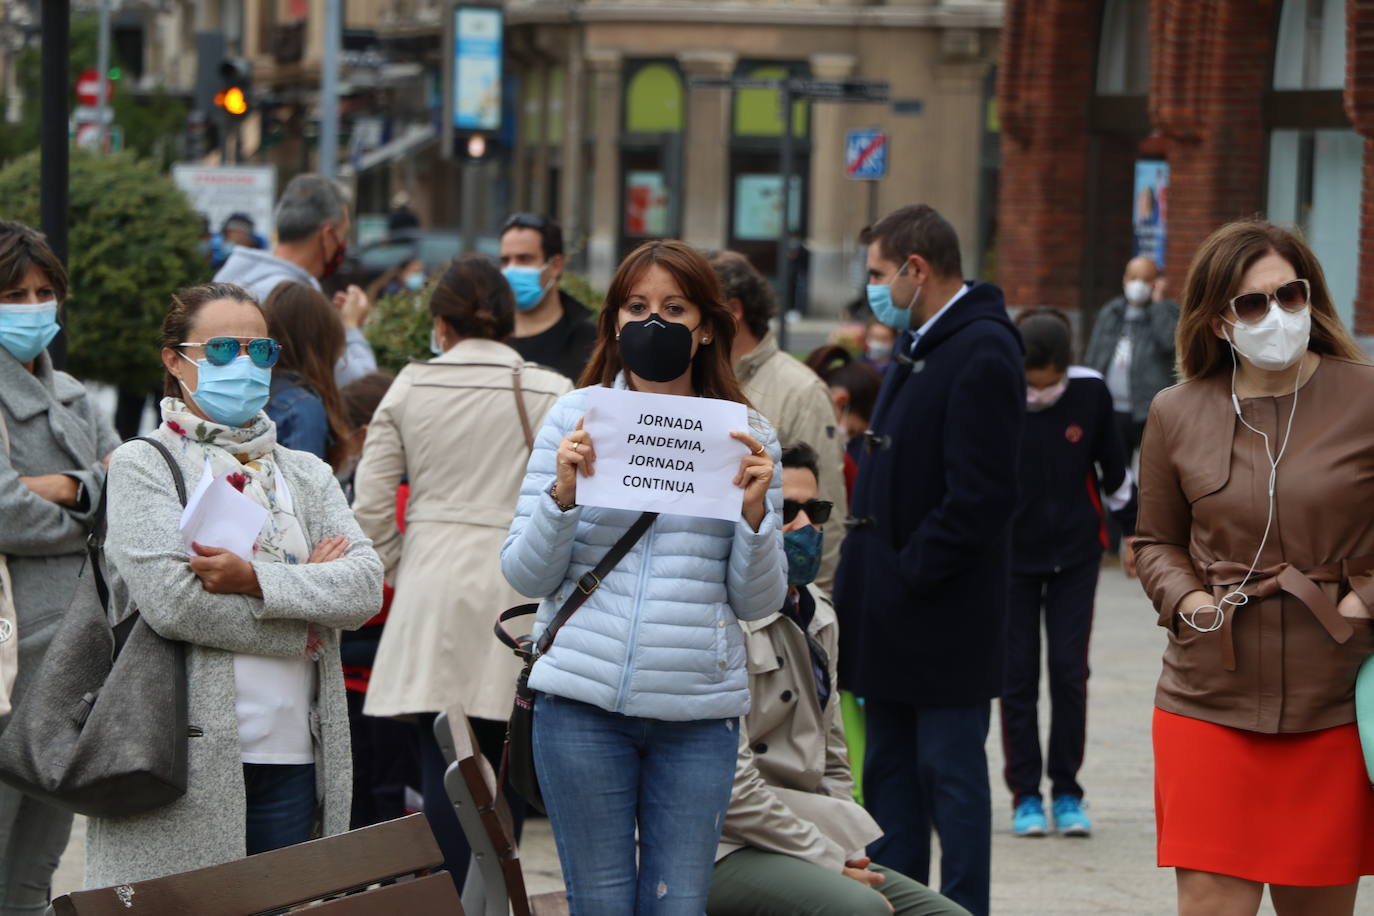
pixel 922 586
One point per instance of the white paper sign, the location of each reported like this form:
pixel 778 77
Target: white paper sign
pixel 664 453
pixel 217 515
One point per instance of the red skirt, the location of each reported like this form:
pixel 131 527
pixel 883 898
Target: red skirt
pixel 1279 809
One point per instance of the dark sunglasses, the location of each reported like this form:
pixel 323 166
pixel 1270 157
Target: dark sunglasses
pixel 818 510
pixel 525 221
pixel 221 351
pixel 1293 296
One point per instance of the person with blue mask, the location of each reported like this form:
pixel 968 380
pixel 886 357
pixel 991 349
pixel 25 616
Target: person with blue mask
pixel 924 573
pixel 793 836
pixel 551 327
pixel 269 765
pixel 54 444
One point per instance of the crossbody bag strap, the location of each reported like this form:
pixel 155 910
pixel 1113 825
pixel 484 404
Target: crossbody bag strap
pixel 589 582
pixel 520 404
pixel 4 434
pixel 95 541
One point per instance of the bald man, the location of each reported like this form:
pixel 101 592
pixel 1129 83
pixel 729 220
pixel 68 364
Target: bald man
pixel 1132 346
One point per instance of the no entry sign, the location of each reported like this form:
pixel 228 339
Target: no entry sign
pixel 865 154
pixel 88 87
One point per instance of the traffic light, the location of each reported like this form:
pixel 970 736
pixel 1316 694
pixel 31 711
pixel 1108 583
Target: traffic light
pixel 235 88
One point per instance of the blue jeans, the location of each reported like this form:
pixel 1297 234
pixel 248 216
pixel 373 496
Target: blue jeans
pixel 602 774
pixel 927 766
pixel 281 804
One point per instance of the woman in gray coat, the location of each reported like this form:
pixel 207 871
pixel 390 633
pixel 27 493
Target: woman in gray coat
pixel 51 474
pixel 269 761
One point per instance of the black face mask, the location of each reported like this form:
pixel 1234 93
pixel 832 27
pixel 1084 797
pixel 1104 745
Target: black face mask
pixel 655 349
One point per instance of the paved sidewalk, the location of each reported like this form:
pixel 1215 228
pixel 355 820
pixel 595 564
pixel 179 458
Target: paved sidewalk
pixel 1111 873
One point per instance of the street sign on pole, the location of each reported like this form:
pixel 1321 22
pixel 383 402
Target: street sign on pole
pixel 865 154
pixel 88 88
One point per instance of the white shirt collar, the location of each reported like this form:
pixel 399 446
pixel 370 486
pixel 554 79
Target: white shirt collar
pixel 930 322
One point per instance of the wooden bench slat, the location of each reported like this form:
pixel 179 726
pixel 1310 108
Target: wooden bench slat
pixel 432 895
pixel 271 880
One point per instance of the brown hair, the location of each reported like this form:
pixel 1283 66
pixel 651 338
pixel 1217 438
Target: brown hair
pixel 1214 279
pixel 917 229
pixel 474 299
pixel 839 368
pixel 22 248
pixel 362 395
pixel 1046 334
pixel 712 374
pixel 311 335
pixel 186 304
pixel 741 280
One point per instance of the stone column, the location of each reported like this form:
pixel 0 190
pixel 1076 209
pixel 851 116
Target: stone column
pixel 705 195
pixel 605 67
pixel 834 198
pixel 574 105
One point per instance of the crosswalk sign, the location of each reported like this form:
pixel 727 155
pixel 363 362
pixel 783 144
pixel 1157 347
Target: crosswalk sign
pixel 865 154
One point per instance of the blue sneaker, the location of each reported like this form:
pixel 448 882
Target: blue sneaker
pixel 1029 818
pixel 1069 818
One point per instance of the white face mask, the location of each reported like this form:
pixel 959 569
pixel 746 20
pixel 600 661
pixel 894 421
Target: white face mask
pixel 1137 291
pixel 1279 339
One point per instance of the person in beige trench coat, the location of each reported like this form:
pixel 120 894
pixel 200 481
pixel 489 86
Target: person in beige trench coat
pixel 453 427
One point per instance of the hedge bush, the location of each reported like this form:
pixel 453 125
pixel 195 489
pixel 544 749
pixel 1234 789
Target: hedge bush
pixel 132 241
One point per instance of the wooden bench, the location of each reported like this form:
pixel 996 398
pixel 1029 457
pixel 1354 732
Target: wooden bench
pixel 495 883
pixel 295 875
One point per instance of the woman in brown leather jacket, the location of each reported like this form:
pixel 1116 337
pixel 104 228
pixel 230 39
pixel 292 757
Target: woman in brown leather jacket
pixel 1255 544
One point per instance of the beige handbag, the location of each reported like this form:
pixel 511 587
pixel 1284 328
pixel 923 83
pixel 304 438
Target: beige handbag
pixel 9 623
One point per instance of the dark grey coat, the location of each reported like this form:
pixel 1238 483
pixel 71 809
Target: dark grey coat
pixel 1152 355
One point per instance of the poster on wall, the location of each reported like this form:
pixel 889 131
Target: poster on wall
pixel 646 204
pixel 1150 208
pixel 477 35
pixel 220 190
pixel 758 206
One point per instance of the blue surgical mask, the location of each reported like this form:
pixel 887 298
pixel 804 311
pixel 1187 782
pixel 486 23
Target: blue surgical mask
pixel 524 282
pixel 415 282
pixel 26 330
pixel 880 300
pixel 434 346
pixel 803 548
pixel 231 394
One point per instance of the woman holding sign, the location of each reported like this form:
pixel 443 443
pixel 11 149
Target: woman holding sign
pixel 635 720
pixel 268 758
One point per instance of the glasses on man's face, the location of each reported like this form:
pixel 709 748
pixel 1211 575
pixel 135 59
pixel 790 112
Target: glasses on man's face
pixel 818 510
pixel 221 351
pixel 1250 308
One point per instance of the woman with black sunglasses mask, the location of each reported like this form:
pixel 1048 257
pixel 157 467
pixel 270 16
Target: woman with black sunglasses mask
pixel 269 752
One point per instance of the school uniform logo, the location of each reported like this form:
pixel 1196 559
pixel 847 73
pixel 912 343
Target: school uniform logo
pixel 1074 433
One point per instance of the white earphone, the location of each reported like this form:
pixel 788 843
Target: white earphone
pixel 1236 596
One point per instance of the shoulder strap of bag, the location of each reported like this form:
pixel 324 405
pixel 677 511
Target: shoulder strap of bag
pixel 4 434
pixel 95 541
pixel 586 584
pixel 520 404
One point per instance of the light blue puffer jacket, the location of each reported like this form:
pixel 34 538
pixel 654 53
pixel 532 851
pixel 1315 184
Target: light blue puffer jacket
pixel 659 638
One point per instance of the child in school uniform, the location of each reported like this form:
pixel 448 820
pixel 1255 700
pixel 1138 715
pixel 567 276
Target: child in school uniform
pixel 1073 468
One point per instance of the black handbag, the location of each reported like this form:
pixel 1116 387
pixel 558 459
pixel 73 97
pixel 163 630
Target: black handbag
pixel 102 730
pixel 517 759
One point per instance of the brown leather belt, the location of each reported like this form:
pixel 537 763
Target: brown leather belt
pixel 1300 583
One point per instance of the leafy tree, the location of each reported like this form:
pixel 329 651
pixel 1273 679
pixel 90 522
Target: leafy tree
pixel 133 241
pixel 152 125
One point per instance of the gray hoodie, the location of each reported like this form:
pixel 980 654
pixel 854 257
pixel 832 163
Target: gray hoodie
pixel 260 272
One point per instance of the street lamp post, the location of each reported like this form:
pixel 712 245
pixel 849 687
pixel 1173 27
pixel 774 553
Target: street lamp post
pixel 57 20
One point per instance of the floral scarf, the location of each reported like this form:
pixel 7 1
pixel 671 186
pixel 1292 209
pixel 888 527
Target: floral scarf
pixel 246 455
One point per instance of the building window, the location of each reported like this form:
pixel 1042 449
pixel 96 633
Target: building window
pixel 1315 184
pixel 651 153
pixel 1123 52
pixel 756 169
pixel 1310 50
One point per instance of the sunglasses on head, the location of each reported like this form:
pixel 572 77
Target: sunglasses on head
pixel 818 510
pixel 221 351
pixel 1293 296
pixel 525 221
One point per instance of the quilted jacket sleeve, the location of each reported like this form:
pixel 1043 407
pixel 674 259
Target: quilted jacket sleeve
pixel 538 549
pixel 756 581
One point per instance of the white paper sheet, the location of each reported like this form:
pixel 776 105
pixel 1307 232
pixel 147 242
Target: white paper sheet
pixel 217 515
pixel 664 453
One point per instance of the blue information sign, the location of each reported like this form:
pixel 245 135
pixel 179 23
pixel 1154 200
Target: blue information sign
pixel 865 154
pixel 477 38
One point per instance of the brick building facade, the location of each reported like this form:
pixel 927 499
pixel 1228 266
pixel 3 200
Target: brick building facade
pixel 1257 107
